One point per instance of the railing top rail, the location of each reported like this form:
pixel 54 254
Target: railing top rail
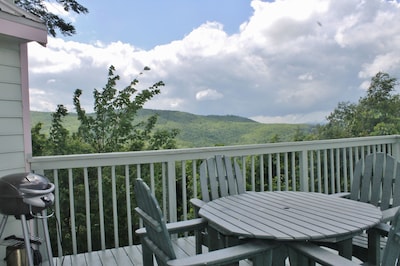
pixel 143 157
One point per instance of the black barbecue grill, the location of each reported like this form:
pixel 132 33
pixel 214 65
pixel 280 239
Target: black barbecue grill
pixel 27 196
pixel 25 193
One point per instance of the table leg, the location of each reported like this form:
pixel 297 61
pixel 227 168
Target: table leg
pixel 279 256
pixel 218 241
pixel 297 259
pixel 374 247
pixel 345 248
pixel 215 240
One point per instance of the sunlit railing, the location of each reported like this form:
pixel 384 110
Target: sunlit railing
pixel 94 195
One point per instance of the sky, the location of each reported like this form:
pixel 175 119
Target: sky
pixel 282 61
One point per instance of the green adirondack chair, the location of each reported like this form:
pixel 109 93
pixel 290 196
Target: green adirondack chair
pixel 378 184
pixel 220 176
pixel 305 253
pixel 376 180
pixel 156 240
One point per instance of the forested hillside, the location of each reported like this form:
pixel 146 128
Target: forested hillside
pixel 202 131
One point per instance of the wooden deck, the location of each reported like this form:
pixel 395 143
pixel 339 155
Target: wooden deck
pixel 130 255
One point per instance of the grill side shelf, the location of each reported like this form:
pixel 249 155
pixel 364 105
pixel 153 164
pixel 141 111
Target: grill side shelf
pixel 16 241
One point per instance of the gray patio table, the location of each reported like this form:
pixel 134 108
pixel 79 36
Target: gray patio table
pixel 291 216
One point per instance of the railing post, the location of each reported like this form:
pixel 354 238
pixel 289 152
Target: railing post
pixel 171 177
pixel 396 148
pixel 303 171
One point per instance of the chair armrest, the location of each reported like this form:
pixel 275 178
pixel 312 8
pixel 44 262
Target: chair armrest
pixel 341 194
pixel 319 254
pixel 197 202
pixel 179 227
pixel 226 255
pixel 387 215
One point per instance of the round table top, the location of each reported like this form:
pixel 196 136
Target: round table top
pixel 287 215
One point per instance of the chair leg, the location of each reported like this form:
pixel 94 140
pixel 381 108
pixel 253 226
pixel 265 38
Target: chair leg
pixel 147 255
pixel 198 234
pixel 199 240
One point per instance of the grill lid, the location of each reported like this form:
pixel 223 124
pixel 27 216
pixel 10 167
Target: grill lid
pixel 17 185
pixel 25 193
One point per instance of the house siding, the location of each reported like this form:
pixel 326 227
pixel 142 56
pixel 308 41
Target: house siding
pixel 17 28
pixel 12 153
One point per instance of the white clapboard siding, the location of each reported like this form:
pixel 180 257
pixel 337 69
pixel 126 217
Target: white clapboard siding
pixel 9 53
pixel 10 74
pixel 12 155
pixel 10 126
pixel 10 92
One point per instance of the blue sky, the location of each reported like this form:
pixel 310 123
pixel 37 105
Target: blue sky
pixel 282 61
pixel 150 23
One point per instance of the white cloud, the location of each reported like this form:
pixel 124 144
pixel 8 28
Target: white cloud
pixel 208 94
pixel 388 62
pixel 40 101
pixel 290 57
pixel 207 40
pixel 306 76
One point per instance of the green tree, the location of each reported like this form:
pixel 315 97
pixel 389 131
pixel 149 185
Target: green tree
pixel 341 122
pixel 380 108
pixel 53 21
pixel 58 139
pixel 375 114
pixel 275 138
pixel 39 140
pixel 163 139
pixel 111 128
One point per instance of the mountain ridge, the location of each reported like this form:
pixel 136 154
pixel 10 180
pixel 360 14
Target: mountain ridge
pixel 200 130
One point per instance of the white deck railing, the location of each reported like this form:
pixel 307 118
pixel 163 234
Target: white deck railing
pixel 94 195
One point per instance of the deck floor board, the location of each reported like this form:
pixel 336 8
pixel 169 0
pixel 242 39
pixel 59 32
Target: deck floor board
pixel 130 255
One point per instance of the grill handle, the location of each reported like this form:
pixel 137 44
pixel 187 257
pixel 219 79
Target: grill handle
pixel 38 192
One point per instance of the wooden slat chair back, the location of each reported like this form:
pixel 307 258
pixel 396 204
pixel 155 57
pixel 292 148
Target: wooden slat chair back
pixel 220 176
pixel 306 253
pixel 391 253
pixel 374 181
pixel 156 238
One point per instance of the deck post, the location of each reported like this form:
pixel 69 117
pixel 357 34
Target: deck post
pixel 171 176
pixel 303 170
pixel 396 149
